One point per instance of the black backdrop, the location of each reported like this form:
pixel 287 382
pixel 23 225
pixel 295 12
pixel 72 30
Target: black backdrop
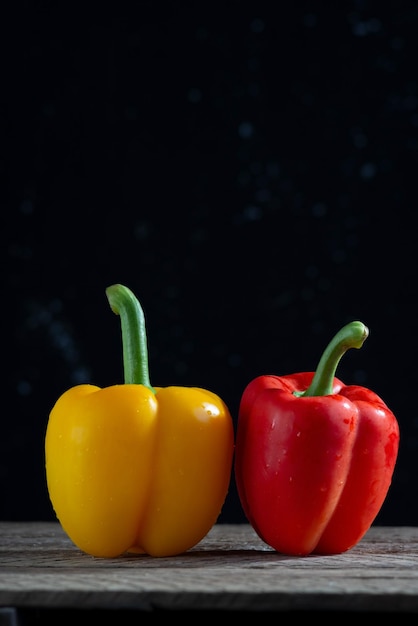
pixel 248 169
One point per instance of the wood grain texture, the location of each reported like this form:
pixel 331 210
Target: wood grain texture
pixel 230 570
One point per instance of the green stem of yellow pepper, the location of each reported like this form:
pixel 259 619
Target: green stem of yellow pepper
pixel 134 337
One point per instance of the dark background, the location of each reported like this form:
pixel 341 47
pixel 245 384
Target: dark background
pixel 248 169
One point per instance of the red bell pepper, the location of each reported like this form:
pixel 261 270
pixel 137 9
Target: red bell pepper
pixel 314 459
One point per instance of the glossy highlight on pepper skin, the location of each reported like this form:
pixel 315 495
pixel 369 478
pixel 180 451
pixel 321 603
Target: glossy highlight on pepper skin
pixel 313 471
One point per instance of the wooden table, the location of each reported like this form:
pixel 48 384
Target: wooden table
pixel 231 570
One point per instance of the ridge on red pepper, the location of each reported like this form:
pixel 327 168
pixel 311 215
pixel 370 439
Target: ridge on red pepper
pixel 314 458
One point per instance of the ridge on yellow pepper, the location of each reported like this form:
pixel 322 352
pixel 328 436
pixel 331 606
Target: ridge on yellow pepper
pixel 133 468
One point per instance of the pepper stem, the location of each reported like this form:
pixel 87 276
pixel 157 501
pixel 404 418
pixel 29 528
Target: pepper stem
pixel 134 338
pixel 352 335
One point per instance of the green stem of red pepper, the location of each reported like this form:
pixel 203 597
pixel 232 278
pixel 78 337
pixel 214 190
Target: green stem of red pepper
pixel 352 335
pixel 134 338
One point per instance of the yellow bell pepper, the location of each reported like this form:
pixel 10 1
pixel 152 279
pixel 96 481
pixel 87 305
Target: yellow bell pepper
pixel 132 468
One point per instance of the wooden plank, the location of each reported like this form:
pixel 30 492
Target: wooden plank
pixel 231 569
